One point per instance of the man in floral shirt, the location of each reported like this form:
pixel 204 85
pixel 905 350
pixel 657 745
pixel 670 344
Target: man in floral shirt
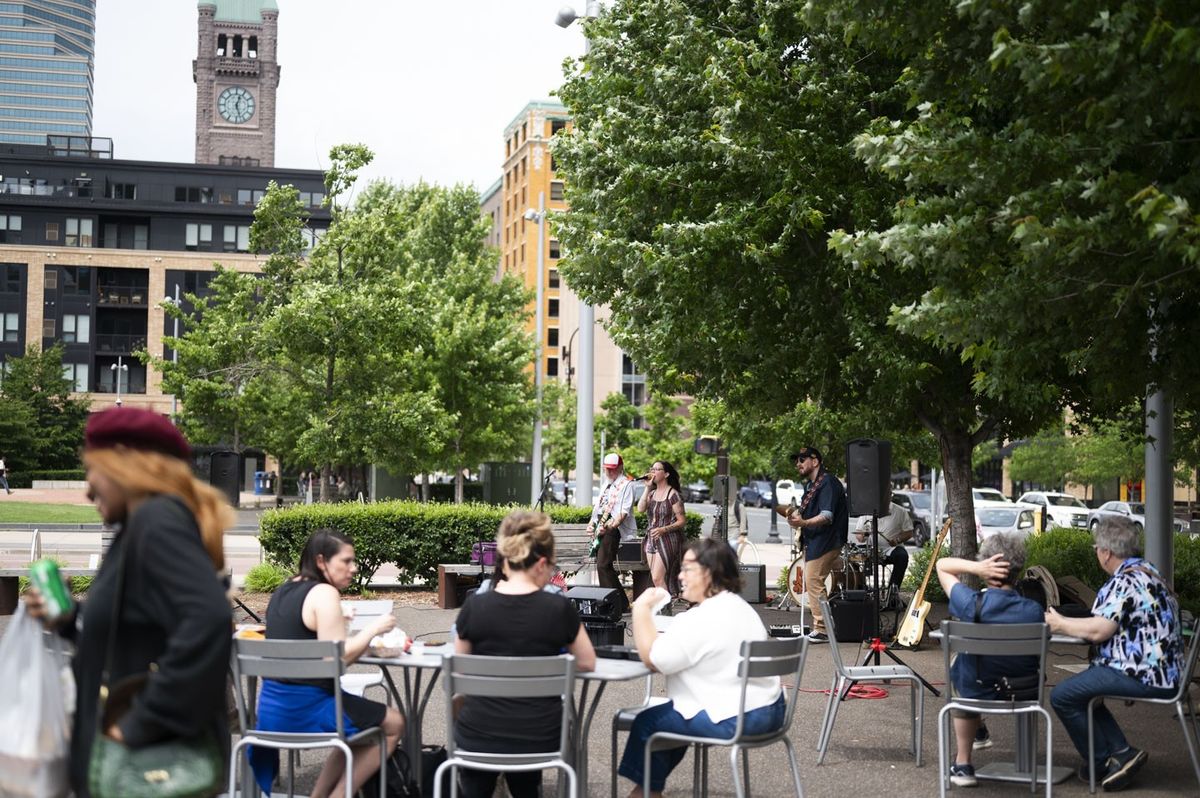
pixel 1135 624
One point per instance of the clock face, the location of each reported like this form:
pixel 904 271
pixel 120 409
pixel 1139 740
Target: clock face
pixel 236 105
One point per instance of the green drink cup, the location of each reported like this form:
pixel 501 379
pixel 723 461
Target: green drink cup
pixel 44 575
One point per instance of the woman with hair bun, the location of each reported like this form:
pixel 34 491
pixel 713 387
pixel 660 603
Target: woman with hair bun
pixel 517 618
pixel 665 537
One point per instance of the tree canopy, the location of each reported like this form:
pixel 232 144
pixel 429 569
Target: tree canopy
pixel 41 426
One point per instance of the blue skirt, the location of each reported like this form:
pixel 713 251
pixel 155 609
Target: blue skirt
pixel 284 707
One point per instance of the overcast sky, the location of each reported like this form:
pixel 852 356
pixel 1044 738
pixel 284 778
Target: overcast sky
pixel 428 85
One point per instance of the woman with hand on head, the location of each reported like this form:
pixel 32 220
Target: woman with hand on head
pixel 699 653
pixel 161 584
pixel 517 618
pixel 663 502
pixel 308 607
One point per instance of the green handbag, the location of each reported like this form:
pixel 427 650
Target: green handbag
pixel 178 768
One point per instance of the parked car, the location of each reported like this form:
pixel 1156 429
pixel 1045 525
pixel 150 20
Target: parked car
pixel 908 499
pixel 919 527
pixel 1061 509
pixel 557 492
pixel 786 490
pixel 757 493
pixel 989 495
pixel 697 491
pixel 993 520
pixel 1134 511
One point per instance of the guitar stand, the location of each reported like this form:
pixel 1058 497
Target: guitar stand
pixel 875 650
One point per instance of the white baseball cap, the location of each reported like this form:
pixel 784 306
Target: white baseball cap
pixel 612 460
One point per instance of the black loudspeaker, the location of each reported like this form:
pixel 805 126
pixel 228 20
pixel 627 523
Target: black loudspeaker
pixel 224 474
pixel 596 603
pixel 605 633
pixel 629 550
pixel 868 476
pixel 754 588
pixel 854 621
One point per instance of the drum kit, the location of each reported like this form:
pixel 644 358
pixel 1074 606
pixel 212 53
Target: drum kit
pixel 851 571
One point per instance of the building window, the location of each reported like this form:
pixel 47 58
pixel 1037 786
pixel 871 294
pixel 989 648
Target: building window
pixel 552 278
pixel 202 194
pixel 10 229
pixel 51 231
pixel 236 238
pixel 522 254
pixel 77 373
pixel 48 328
pixel 121 191
pixel 552 336
pixel 552 309
pixel 198 236
pixel 77 281
pixel 557 125
pixel 524 130
pixel 78 233
pixel 51 278
pixel 551 367
pixel 553 164
pixel 243 196
pixel 556 191
pixel 76 329
pixel 12 327
pixel 555 251
pixel 633 383
pixel 10 279
pixel 141 236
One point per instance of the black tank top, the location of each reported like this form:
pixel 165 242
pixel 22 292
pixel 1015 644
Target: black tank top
pixel 285 621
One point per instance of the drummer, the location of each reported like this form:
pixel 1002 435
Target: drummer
pixel 895 529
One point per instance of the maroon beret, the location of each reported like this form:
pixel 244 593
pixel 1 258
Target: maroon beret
pixel 136 429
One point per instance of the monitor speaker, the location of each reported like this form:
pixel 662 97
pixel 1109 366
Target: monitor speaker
pixel 596 603
pixel 224 474
pixel 754 582
pixel 868 476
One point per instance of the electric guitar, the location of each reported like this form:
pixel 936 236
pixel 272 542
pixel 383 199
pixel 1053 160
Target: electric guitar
pixel 601 521
pixel 913 627
pixel 787 509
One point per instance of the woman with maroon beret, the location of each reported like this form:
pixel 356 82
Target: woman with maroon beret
pixel 174 618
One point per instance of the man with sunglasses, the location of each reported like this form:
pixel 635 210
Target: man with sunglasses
pixel 823 521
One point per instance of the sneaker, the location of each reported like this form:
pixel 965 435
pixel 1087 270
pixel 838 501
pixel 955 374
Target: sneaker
pixel 1122 768
pixel 1081 772
pixel 817 637
pixel 983 738
pixel 963 776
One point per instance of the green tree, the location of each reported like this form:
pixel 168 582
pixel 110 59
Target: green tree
pixel 36 381
pixel 558 417
pixel 711 160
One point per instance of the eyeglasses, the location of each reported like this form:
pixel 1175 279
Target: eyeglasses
pixel 688 567
pixel 657 468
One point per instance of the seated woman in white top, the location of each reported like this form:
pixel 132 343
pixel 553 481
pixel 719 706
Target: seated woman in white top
pixel 699 653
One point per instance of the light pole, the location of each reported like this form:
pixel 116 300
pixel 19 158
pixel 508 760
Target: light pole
pixel 539 216
pixel 175 349
pixel 587 335
pixel 118 368
pixel 566 355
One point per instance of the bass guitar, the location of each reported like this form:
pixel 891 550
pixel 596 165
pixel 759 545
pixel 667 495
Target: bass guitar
pixel 913 628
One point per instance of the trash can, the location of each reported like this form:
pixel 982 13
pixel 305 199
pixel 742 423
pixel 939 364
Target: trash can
pixel 260 483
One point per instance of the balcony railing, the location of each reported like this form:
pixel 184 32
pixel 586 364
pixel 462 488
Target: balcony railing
pixel 120 344
pixel 122 295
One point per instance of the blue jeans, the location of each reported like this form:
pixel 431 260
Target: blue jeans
pixel 1070 700
pixel 664 718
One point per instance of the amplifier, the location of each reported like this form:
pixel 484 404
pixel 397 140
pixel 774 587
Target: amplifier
pixel 854 621
pixel 596 603
pixel 754 588
pixel 603 633
pixel 629 551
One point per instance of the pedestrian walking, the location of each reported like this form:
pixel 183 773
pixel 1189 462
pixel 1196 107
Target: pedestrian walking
pixel 4 473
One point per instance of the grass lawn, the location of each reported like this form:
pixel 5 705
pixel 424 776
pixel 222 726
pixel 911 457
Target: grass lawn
pixel 31 513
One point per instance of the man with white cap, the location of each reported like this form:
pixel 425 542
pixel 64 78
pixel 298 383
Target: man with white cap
pixel 612 520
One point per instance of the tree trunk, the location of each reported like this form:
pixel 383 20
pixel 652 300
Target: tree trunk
pixel 425 486
pixel 955 446
pixel 326 473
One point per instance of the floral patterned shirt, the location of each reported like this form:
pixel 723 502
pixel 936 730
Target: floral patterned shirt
pixel 1148 644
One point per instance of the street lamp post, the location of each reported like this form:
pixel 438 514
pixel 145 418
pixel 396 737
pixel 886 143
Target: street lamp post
pixel 118 368
pixel 539 216
pixel 587 341
pixel 566 356
pixel 175 349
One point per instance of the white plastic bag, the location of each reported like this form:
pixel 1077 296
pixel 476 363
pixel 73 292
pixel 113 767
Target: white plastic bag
pixel 36 693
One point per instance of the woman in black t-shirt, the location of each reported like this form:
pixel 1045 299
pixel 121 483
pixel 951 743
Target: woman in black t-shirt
pixel 517 619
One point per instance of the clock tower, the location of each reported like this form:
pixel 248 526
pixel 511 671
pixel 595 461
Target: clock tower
pixel 236 76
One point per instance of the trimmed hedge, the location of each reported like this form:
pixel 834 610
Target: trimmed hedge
pixel 412 535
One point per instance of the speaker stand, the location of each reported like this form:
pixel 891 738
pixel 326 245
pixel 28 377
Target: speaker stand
pixel 877 646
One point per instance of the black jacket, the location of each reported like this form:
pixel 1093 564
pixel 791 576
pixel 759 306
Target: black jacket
pixel 174 615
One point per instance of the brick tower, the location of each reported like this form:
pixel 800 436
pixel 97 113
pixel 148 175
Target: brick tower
pixel 236 76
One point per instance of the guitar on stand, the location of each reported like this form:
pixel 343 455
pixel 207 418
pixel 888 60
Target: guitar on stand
pixel 793 592
pixel 913 628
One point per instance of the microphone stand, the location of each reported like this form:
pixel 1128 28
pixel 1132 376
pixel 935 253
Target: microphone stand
pixel 541 499
pixel 877 645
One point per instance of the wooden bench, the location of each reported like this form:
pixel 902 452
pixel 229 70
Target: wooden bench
pixel 571 546
pixel 9 580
